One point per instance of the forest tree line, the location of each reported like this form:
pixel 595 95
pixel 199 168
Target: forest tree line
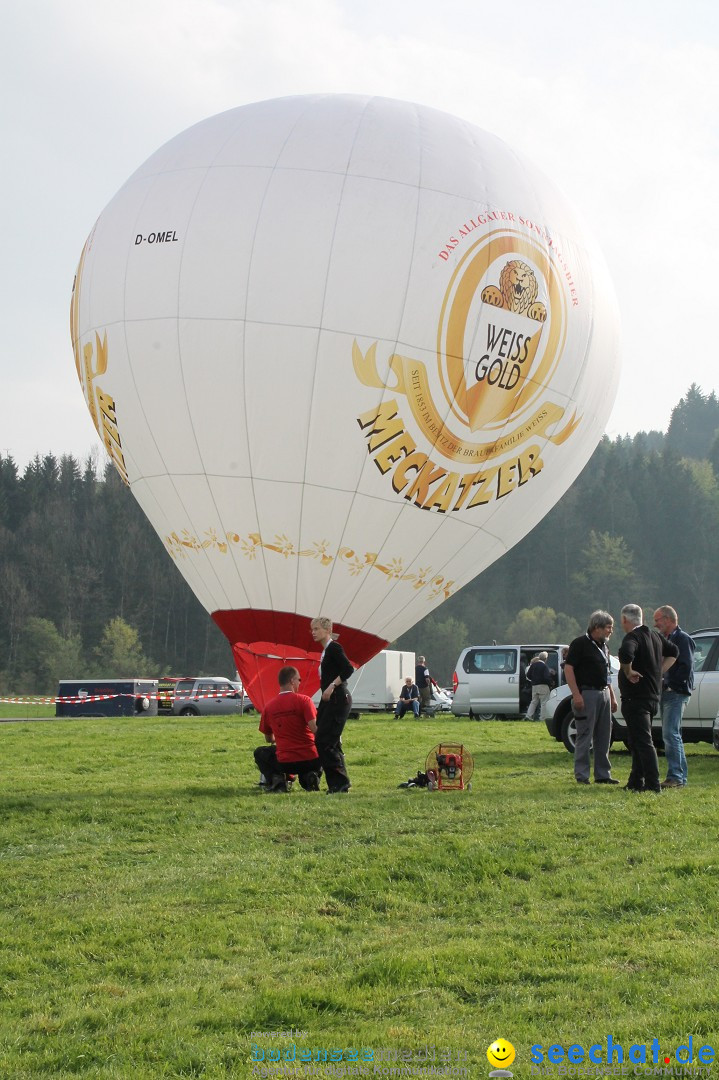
pixel 87 588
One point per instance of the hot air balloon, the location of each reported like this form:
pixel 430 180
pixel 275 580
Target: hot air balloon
pixel 345 351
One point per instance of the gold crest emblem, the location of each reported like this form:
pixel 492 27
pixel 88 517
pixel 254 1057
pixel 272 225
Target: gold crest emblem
pixel 501 334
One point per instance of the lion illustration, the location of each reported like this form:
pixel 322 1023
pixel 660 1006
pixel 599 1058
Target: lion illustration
pixel 517 291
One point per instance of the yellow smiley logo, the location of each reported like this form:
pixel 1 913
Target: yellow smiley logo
pixel 500 1054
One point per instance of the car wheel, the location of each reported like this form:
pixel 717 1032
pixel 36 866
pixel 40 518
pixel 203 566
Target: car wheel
pixel 556 722
pixel 189 712
pixel 569 731
pixel 486 716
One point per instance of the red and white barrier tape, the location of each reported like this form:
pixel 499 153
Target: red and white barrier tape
pixel 56 700
pixel 106 697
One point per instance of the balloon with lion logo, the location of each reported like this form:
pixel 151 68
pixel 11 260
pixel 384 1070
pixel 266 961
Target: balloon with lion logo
pixel 346 352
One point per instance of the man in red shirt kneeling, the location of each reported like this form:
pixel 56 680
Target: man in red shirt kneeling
pixel 288 724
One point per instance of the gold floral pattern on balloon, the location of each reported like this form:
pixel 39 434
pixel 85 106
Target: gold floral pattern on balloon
pixel 183 544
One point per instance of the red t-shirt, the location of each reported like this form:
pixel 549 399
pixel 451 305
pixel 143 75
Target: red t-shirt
pixel 287 718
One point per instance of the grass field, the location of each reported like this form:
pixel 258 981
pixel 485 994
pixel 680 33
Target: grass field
pixel 27 709
pixel 157 908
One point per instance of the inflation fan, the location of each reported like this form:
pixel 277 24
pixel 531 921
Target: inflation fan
pixel 449 767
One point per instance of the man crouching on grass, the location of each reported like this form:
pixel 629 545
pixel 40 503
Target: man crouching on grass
pixel 288 724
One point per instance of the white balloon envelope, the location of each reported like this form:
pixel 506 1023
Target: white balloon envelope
pixel 346 352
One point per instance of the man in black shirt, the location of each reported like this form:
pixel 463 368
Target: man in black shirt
pixel 422 678
pixel 644 656
pixel 587 671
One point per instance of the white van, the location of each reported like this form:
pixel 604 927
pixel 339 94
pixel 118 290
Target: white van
pixel 490 680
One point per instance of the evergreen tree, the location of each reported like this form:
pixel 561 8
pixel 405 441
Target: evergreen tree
pixel 606 578
pixel 694 424
pixel 714 456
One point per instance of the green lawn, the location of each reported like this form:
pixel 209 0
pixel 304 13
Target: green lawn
pixel 27 708
pixel 156 907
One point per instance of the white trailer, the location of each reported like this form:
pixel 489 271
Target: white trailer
pixel 376 685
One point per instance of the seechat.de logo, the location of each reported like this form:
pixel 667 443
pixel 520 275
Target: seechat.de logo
pixel 610 1052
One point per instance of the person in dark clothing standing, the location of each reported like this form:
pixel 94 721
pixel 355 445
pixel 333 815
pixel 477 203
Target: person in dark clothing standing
pixel 423 679
pixel 540 678
pixel 677 687
pixel 334 707
pixel 588 672
pixel 644 656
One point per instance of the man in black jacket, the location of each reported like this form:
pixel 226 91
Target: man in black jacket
pixel 541 680
pixel 644 656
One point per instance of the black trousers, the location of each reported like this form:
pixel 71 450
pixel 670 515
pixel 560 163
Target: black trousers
pixel 272 769
pixel 638 713
pixel 331 719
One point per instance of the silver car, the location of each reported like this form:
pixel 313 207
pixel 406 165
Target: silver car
pixel 209 696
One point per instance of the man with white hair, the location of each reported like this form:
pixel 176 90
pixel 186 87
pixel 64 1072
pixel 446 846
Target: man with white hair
pixel 408 699
pixel 540 679
pixel 644 656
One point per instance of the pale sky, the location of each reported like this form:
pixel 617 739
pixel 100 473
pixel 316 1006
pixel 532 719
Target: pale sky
pixel 616 101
